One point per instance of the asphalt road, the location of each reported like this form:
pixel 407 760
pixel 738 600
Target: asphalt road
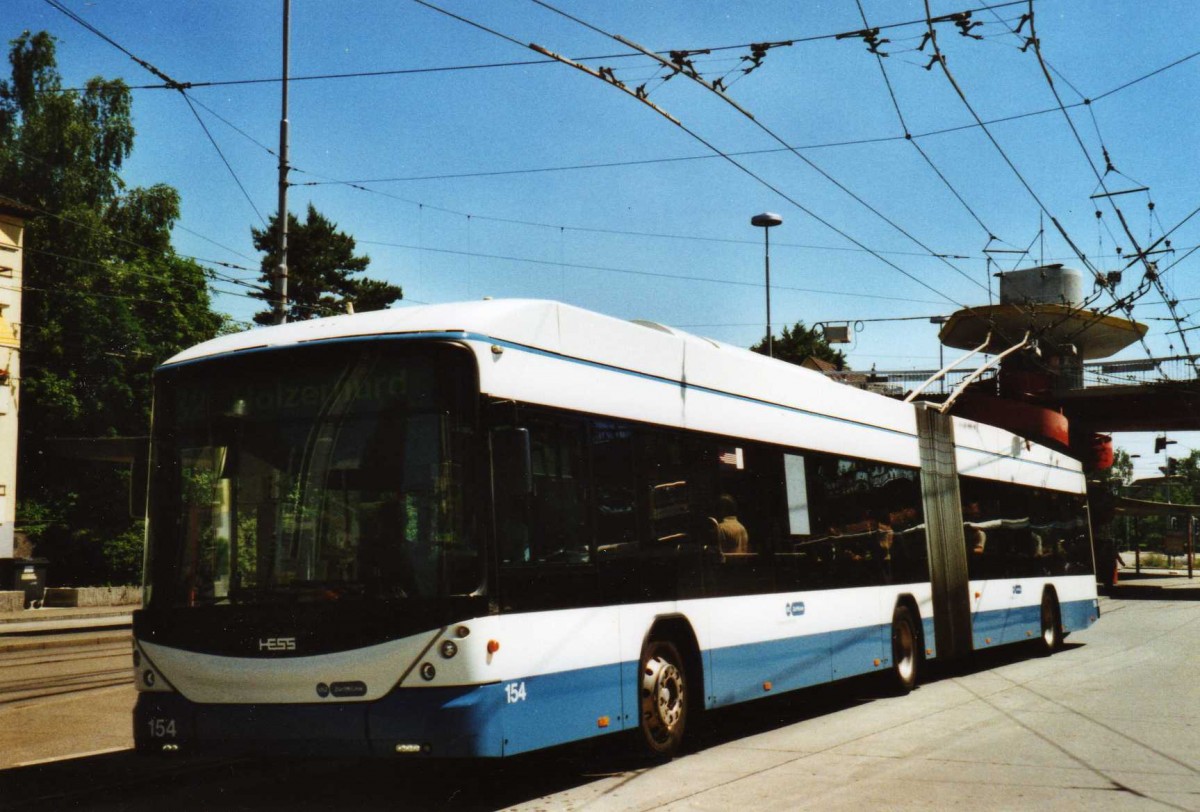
pixel 1112 722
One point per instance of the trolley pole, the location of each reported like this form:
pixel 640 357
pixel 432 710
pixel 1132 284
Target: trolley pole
pixel 281 270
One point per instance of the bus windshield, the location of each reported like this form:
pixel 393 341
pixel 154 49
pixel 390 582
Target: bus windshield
pixel 324 473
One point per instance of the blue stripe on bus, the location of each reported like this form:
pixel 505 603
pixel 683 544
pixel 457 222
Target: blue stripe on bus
pixel 568 706
pixel 1078 615
pixel 1019 623
pixel 541 711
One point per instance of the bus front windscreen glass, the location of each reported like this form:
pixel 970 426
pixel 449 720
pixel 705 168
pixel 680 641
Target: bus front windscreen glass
pixel 332 473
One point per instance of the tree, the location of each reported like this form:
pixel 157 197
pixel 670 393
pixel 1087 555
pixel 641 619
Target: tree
pixel 321 265
pixel 1120 474
pixel 105 299
pixel 797 343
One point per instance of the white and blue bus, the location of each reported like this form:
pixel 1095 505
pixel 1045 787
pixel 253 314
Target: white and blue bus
pixel 480 529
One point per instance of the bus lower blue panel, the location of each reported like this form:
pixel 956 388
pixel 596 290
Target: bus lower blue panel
pixel 555 708
pixel 858 651
pixel 1024 623
pixel 1078 615
pixel 738 673
pixel 929 637
pixel 450 722
pixel 987 628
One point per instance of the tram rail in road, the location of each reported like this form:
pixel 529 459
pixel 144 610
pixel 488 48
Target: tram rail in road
pixel 37 673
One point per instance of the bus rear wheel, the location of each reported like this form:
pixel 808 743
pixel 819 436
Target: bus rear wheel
pixel 905 652
pixel 1052 636
pixel 664 698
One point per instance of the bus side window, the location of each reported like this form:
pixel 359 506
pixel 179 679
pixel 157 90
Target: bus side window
pixel 548 525
pixel 612 453
pixel 667 478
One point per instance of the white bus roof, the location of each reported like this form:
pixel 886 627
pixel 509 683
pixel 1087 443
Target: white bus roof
pixel 637 346
pixel 641 348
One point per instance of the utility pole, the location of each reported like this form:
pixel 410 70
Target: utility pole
pixel 281 270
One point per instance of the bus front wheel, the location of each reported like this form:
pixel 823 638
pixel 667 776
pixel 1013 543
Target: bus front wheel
pixel 905 652
pixel 664 698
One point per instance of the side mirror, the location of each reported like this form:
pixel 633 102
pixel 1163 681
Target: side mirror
pixel 139 481
pixel 512 459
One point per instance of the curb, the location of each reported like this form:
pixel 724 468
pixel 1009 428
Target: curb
pixel 84 637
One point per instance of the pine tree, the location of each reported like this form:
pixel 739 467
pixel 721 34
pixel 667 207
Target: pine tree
pixel 321 269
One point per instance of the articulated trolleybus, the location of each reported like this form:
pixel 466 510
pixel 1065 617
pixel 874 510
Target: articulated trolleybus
pixel 482 529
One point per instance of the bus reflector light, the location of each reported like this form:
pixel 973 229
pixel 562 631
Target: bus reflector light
pixel 767 685
pixel 602 721
pixel 449 649
pixel 493 646
pixel 462 631
pixel 428 672
pixel 876 662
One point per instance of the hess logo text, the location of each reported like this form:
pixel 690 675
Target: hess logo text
pixel 277 644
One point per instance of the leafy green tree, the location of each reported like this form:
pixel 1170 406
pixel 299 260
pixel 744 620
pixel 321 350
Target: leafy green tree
pixel 1184 478
pixel 1121 472
pixel 321 269
pixel 105 299
pixel 798 342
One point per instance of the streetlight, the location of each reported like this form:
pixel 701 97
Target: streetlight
pixel 766 221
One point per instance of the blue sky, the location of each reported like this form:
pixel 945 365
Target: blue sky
pixel 609 237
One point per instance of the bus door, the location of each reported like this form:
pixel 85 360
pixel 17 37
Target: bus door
pixel 570 673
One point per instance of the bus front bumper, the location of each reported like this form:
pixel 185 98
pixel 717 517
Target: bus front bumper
pixel 458 722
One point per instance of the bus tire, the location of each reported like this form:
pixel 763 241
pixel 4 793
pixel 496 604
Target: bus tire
pixel 663 692
pixel 1052 636
pixel 906 652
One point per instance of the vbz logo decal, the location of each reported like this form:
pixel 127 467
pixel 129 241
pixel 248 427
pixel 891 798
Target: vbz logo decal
pixel 795 609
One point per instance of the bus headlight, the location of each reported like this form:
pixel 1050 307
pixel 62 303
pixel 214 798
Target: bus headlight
pixel 146 676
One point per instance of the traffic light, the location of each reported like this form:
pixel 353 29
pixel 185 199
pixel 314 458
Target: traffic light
pixel 1161 443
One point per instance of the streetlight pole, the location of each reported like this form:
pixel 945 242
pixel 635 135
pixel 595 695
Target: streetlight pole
pixel 766 221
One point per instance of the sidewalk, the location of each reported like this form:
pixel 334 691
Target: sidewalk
pixel 1156 584
pixel 56 627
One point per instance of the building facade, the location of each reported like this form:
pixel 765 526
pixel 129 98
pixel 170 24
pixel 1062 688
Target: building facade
pixel 12 230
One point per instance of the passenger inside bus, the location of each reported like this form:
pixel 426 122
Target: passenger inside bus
pixel 732 536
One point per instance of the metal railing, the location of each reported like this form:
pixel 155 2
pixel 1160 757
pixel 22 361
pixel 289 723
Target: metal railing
pixel 896 382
